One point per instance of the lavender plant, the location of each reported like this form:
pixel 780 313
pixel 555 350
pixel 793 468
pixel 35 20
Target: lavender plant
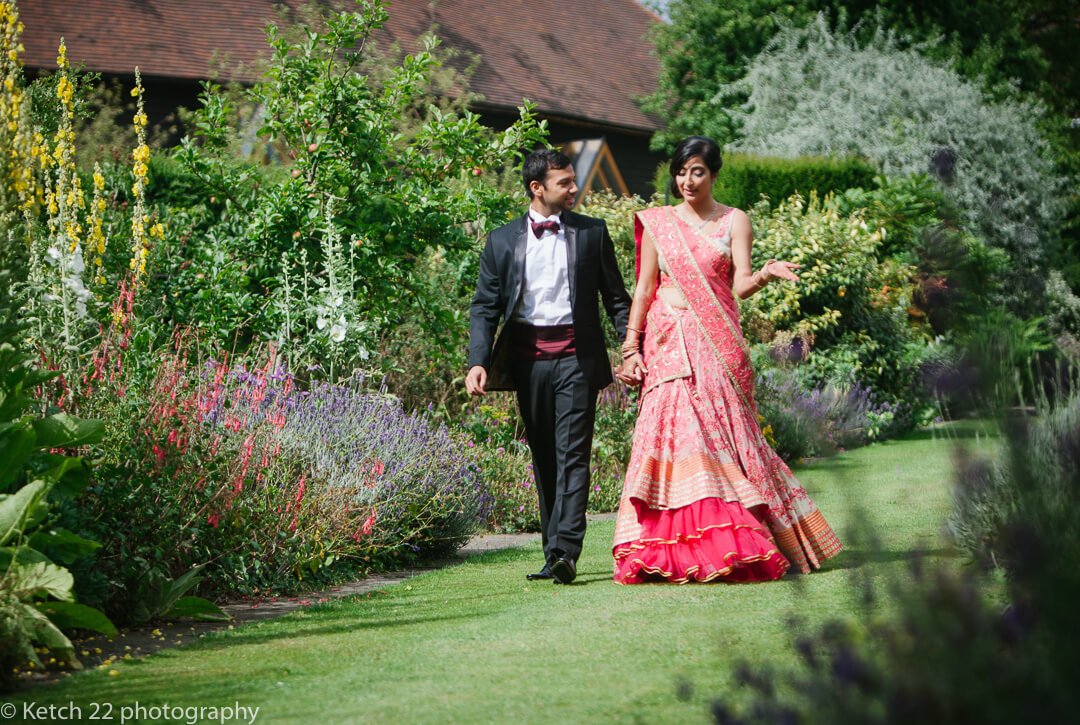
pixel 952 650
pixel 414 484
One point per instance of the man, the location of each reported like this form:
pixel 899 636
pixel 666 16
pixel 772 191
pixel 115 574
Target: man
pixel 542 273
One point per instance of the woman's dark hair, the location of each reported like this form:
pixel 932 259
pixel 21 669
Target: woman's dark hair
pixel 688 148
pixel 538 163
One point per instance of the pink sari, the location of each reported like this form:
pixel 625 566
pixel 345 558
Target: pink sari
pixel 705 497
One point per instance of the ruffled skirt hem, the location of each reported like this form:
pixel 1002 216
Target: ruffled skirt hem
pixel 708 540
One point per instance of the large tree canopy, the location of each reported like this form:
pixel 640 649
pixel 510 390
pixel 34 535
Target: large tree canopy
pixel 708 44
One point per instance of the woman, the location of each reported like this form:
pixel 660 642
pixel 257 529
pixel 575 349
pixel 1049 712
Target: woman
pixel 705 497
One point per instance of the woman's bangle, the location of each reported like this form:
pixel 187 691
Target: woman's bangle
pixel 764 276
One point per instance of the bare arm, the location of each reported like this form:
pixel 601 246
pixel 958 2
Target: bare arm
pixel 632 371
pixel 747 282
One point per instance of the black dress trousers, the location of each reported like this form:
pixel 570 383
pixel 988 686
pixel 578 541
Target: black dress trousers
pixel 559 408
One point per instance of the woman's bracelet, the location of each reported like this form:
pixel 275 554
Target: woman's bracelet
pixel 764 276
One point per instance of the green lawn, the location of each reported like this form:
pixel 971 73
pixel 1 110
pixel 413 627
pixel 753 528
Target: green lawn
pixel 477 643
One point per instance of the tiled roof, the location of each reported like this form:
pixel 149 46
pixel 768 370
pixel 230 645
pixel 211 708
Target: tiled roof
pixel 586 61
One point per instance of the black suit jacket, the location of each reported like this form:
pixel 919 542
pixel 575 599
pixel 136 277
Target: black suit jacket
pixel 593 273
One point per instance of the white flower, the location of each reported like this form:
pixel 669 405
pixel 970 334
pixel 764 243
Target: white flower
pixel 335 300
pixel 337 332
pixel 75 284
pixel 53 255
pixel 77 265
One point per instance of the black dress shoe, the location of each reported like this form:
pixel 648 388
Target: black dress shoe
pixel 564 571
pixel 544 573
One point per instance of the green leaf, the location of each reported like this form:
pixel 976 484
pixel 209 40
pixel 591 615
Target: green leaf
pixel 197 608
pixel 63 546
pixel 178 588
pixel 29 580
pixel 47 633
pixel 20 554
pixel 16 446
pixel 15 508
pixel 71 615
pixel 63 430
pixel 71 475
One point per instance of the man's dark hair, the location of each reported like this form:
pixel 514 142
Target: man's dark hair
pixel 688 148
pixel 538 163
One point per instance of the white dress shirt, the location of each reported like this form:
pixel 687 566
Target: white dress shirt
pixel 545 298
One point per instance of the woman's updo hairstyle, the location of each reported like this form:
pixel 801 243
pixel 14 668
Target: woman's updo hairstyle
pixel 687 149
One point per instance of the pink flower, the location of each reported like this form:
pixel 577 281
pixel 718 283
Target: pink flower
pixel 366 528
pixel 300 489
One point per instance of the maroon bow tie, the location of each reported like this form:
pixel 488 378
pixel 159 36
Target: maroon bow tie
pixel 547 225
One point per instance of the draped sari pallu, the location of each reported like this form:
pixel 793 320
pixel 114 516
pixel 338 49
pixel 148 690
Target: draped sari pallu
pixel 705 496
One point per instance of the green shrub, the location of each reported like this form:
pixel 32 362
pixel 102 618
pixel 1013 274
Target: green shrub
pixel 1002 350
pixel 616 417
pixel 495 431
pixel 508 474
pixel 37 597
pixel 233 469
pixel 745 178
pixel 808 94
pixel 618 212
pixel 853 307
pixel 378 174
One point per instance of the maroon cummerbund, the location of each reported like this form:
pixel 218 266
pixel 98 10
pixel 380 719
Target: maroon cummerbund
pixel 542 342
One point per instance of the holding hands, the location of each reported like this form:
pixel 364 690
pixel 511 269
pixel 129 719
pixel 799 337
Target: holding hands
pixel 632 371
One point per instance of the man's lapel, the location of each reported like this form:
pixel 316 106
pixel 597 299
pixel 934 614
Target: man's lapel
pixel 521 241
pixel 571 251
